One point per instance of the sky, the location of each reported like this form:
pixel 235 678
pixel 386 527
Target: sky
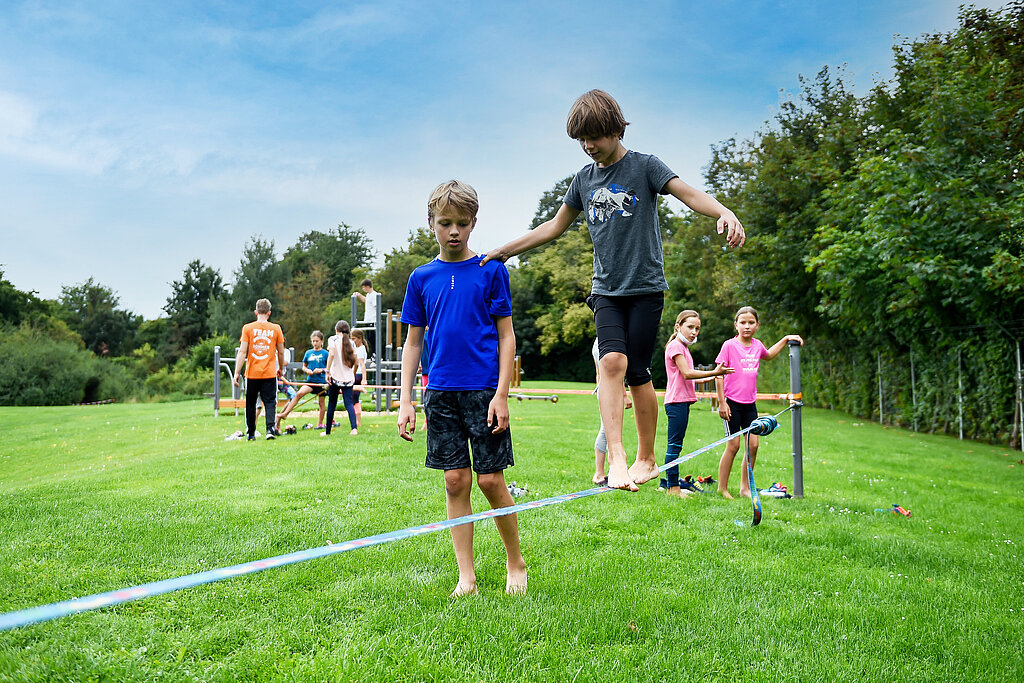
pixel 137 136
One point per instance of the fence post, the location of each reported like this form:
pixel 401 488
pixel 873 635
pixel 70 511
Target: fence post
pixel 881 415
pixel 216 381
pixel 796 388
pixel 913 388
pixel 960 392
pixel 1020 404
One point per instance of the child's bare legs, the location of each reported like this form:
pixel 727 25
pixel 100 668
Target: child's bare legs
pixel 303 390
pixel 495 490
pixel 645 409
pixel 609 398
pixel 725 466
pixel 599 475
pixel 744 478
pixel 323 407
pixel 457 485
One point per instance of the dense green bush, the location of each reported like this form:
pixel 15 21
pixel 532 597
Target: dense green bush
pixel 39 370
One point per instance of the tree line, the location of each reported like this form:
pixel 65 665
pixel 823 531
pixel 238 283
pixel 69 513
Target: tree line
pixel 886 228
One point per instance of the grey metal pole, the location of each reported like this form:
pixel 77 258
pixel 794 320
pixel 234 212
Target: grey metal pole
pixel 1020 403
pixel 216 381
pixel 378 356
pixel 796 388
pixel 960 392
pixel 913 388
pixel 881 416
pixel 355 311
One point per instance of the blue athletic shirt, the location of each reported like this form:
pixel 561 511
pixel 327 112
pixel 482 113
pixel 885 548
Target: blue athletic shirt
pixel 459 302
pixel 315 360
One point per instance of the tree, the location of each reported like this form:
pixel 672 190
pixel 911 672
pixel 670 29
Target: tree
pixel 92 310
pixel 341 251
pixel 188 307
pixel 304 300
pixel 16 305
pixel 258 274
pixel 393 278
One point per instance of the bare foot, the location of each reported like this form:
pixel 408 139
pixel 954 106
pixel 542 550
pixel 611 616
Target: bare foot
pixel 463 590
pixel 600 480
pixel 515 582
pixel 618 478
pixel 643 471
pixel 677 492
pixel 745 494
pixel 725 494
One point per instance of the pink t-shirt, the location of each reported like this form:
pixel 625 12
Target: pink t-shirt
pixel 679 389
pixel 741 385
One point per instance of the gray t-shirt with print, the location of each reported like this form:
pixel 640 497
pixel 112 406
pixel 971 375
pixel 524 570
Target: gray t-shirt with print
pixel 622 214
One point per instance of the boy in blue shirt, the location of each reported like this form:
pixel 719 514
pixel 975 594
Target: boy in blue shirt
pixel 619 192
pixel 469 312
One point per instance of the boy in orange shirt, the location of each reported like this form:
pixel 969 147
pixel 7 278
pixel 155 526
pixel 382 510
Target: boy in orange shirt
pixel 261 348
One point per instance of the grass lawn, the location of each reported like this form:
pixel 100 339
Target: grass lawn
pixel 622 586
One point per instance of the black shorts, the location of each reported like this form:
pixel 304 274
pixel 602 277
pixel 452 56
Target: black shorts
pixel 741 415
pixel 629 325
pixel 317 389
pixel 457 420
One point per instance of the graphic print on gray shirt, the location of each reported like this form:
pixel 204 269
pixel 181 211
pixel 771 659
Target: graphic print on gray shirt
pixel 621 206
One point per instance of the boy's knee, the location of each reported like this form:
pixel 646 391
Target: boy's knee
pixel 613 363
pixel 491 483
pixel 457 482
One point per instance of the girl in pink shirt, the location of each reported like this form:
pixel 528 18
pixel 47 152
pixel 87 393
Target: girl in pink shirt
pixel 737 394
pixel 681 392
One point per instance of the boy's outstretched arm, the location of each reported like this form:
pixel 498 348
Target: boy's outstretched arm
pixel 410 362
pixel 497 411
pixel 702 202
pixel 542 234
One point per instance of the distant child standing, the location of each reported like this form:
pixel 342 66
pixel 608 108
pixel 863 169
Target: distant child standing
pixel 737 393
pixel 619 193
pixel 467 306
pixel 370 318
pixel 681 392
pixel 261 348
pixel 359 341
pixel 314 364
pixel 341 376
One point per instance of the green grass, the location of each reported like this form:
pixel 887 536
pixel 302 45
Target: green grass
pixel 622 586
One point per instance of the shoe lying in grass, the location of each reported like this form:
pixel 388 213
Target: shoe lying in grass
pixel 776 490
pixel 517 491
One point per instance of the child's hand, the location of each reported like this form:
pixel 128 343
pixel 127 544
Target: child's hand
pixel 723 411
pixel 735 235
pixel 235 380
pixel 494 255
pixel 406 421
pixel 497 414
pixel 722 370
pixel 794 337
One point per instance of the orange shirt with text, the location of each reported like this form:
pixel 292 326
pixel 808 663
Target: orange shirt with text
pixel 262 339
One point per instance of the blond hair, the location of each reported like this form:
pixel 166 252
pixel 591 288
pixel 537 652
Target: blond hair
pixel 453 194
pixel 263 305
pixel 595 114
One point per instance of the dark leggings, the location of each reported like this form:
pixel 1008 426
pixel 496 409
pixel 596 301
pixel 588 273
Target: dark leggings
pixel 332 403
pixel 628 325
pixel 678 418
pixel 265 389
